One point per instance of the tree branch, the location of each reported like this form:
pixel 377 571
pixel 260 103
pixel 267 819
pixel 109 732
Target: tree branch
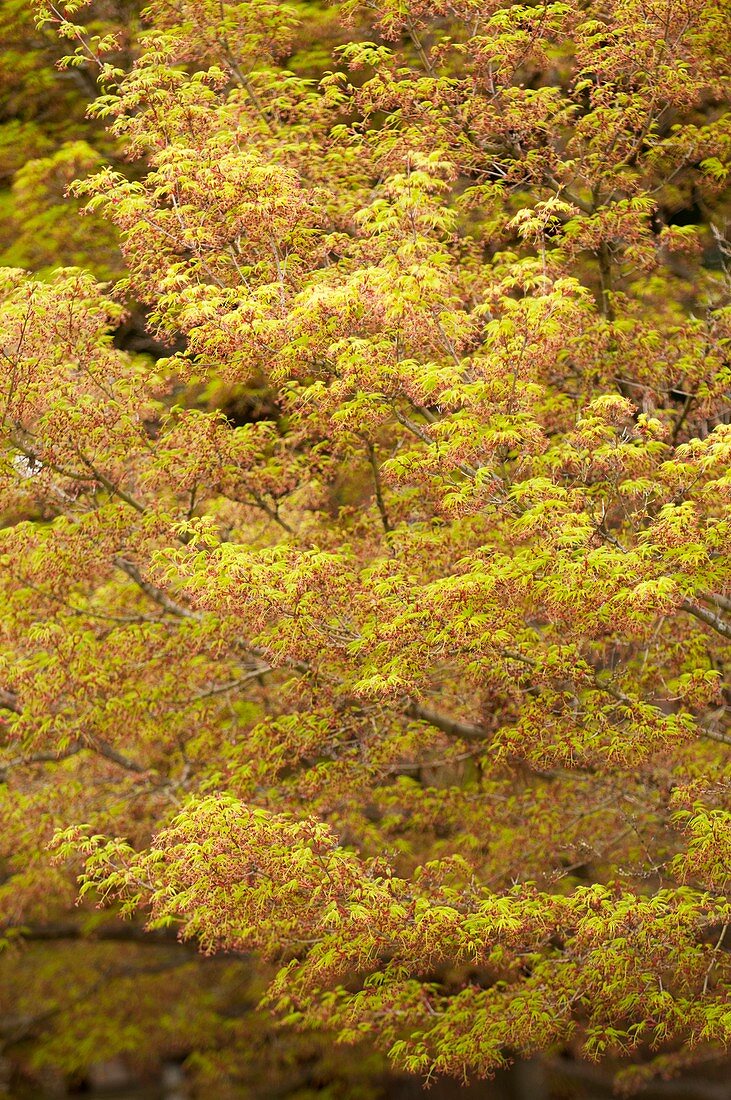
pixel 9 701
pixel 468 731
pixel 155 594
pixel 378 487
pixel 38 758
pixel 96 744
pixel 112 932
pixel 722 602
pixel 714 621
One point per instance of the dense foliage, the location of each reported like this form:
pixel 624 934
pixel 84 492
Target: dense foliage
pixel 379 624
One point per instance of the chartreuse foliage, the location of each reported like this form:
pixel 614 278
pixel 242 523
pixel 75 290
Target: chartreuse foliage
pixel 418 688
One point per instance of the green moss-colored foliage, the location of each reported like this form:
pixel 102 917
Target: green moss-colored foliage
pixel 45 220
pixel 47 140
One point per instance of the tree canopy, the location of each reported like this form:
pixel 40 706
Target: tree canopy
pixel 367 612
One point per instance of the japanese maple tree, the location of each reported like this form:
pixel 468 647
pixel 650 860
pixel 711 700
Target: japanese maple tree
pixel 382 627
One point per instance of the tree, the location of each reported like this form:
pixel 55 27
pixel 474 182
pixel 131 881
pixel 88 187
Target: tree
pixel 413 680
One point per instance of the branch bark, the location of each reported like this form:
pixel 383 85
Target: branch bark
pixel 703 615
